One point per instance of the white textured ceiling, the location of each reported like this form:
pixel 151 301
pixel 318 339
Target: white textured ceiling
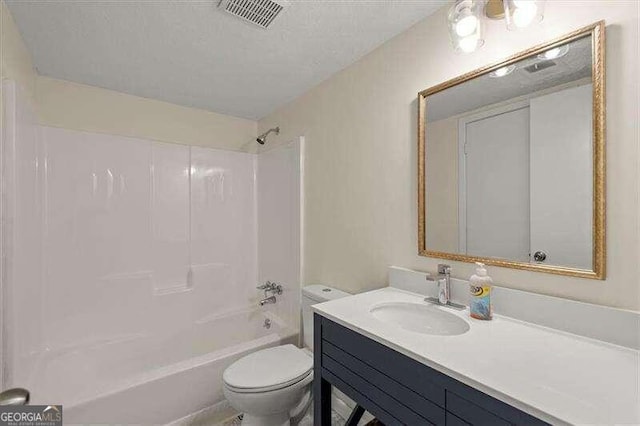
pixel 190 53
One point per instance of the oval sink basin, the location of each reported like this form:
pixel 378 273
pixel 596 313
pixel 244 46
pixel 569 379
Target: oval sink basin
pixel 425 319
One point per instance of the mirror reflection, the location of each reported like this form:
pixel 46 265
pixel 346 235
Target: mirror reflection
pixel 509 161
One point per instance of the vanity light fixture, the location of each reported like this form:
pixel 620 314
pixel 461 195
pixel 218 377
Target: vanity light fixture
pixel 556 52
pixel 501 72
pixel 522 13
pixel 465 19
pixel 465 25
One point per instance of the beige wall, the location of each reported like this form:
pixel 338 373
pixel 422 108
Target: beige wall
pixel 360 169
pixel 76 106
pixel 442 185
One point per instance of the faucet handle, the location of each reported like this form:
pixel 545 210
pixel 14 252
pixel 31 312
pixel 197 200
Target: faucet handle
pixel 271 287
pixel 265 286
pixel 436 279
pixel 444 269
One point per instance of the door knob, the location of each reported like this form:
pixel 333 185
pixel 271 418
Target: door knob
pixel 539 256
pixel 15 396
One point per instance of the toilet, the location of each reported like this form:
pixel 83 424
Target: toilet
pixel 273 385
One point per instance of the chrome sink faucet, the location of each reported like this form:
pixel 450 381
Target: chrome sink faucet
pixel 443 279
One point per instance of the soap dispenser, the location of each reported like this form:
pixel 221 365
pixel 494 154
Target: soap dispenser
pixel 480 287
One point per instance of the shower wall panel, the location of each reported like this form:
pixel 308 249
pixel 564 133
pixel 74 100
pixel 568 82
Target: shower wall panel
pixel 223 230
pixel 97 265
pixel 279 187
pixel 143 237
pixel 170 217
pixel 114 240
pixel 22 166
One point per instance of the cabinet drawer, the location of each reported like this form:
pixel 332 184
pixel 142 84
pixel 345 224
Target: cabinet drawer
pixel 421 379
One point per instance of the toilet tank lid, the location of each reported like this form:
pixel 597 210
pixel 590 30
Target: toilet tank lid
pixel 322 293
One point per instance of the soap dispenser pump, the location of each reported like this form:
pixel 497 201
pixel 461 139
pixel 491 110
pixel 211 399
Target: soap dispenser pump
pixel 480 287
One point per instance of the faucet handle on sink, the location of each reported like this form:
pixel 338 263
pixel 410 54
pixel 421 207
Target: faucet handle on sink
pixel 443 280
pixel 444 269
pixel 433 278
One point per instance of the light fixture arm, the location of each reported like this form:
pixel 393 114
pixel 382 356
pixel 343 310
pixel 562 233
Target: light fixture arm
pixel 494 9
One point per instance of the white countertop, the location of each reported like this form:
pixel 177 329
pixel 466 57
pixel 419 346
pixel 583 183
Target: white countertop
pixel 553 375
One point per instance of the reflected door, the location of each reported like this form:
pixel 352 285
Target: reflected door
pixel 495 191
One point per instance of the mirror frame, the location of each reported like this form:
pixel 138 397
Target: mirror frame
pixel 597 33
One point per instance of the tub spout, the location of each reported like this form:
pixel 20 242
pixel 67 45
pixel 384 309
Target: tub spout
pixel 270 299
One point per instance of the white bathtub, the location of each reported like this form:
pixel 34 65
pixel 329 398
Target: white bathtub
pixel 136 379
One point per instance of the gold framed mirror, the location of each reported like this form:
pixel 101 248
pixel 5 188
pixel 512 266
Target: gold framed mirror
pixel 511 161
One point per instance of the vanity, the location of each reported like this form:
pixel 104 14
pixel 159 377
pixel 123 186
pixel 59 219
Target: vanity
pixel 398 389
pixel 461 371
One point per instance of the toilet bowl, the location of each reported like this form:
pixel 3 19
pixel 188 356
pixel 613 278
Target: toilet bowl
pixel 269 384
pixel 272 386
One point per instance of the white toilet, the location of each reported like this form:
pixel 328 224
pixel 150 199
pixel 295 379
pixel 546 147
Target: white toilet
pixel 273 385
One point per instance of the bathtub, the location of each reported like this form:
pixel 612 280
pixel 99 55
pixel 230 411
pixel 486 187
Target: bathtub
pixel 142 380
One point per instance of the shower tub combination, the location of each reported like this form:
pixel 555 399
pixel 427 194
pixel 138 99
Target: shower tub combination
pixel 130 267
pixel 182 373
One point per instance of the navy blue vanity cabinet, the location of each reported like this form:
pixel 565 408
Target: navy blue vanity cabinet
pixel 395 388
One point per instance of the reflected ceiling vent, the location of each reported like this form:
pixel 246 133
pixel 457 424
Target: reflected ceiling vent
pixel 539 66
pixel 258 12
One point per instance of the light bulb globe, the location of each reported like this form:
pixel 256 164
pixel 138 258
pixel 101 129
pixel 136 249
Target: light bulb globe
pixel 466 26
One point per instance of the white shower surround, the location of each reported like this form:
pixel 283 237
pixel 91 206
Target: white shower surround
pixel 124 256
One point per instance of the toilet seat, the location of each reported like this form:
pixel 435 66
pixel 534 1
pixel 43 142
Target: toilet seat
pixel 268 370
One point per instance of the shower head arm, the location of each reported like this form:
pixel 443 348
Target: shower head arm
pixel 275 130
pixel 262 138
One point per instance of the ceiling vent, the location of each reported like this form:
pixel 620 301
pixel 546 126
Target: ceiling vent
pixel 258 12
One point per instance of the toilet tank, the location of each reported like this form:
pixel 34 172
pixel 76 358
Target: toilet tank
pixel 311 295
